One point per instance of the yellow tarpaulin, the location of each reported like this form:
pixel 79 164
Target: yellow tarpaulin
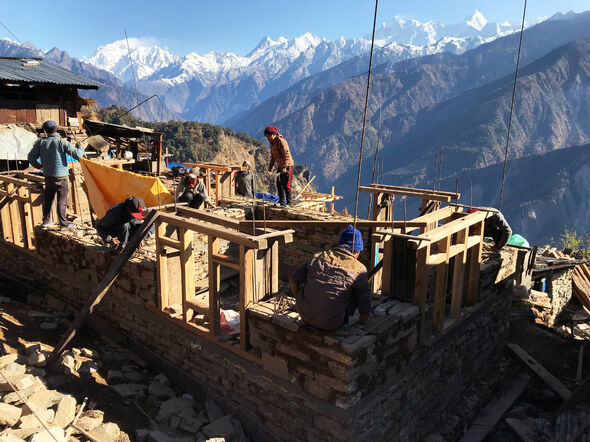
pixel 108 186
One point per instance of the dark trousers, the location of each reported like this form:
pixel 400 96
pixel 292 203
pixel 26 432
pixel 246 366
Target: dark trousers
pixel 194 200
pixel 53 186
pixel 284 185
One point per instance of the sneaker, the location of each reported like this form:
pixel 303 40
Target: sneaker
pixel 68 227
pixel 47 224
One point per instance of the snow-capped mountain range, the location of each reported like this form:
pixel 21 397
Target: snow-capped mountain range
pixel 216 86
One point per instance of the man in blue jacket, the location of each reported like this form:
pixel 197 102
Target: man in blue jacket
pixel 52 150
pixel 121 221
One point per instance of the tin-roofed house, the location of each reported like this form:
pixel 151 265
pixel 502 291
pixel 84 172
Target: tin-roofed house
pixel 31 92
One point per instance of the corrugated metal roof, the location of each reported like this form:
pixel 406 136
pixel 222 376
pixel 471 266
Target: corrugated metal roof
pixel 29 71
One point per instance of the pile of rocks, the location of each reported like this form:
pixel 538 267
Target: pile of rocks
pixel 179 416
pixel 38 414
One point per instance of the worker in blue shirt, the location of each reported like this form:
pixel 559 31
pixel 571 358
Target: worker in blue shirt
pixel 52 150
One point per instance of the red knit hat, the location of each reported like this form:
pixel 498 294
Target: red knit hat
pixel 270 130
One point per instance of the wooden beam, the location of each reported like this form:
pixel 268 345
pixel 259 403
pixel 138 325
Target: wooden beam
pixel 246 292
pixel 454 227
pixel 100 291
pixel 214 285
pixel 418 194
pixel 459 262
pixel 187 271
pixel 475 265
pixel 494 411
pixel 421 288
pixel 551 381
pixel 162 265
pixel 442 273
pixel 216 231
pixel 453 195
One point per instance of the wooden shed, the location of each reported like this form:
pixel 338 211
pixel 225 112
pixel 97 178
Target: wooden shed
pixel 33 91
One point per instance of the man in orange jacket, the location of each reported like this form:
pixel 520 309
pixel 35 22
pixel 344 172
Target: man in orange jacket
pixel 281 156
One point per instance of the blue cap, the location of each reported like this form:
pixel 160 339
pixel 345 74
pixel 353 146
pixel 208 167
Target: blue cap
pixel 347 237
pixel 50 126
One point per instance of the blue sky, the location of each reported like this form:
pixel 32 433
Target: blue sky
pixel 234 25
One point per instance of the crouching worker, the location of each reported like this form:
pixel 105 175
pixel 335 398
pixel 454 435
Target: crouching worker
pixel 192 190
pixel 121 221
pixel 496 227
pixel 333 284
pixel 245 181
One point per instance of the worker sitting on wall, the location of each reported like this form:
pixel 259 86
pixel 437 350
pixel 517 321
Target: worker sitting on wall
pixel 245 181
pixel 333 284
pixel 52 150
pixel 121 221
pixel 192 190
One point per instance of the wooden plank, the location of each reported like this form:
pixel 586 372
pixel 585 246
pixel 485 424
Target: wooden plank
pixel 454 227
pixel 100 291
pixel 459 262
pixel 524 432
pixel 225 260
pixel 224 221
pixel 416 189
pixel 187 271
pixel 274 268
pixel 162 263
pixel 386 284
pixel 475 265
pixel 551 381
pixel 421 287
pixel 214 285
pixel 442 271
pixel 5 215
pixel 216 231
pixel 26 221
pixel 494 411
pixel 432 196
pixel 169 242
pixel 15 219
pixel 294 223
pixel 246 292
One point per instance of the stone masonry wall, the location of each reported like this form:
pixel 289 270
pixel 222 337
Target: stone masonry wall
pixel 267 405
pixel 309 240
pixel 560 292
pixel 390 387
pixel 374 383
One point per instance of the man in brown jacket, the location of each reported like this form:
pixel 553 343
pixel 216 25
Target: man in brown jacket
pixel 281 156
pixel 333 284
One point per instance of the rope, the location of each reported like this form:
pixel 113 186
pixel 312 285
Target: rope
pixel 131 64
pixel 358 178
pixel 512 107
pixel 375 163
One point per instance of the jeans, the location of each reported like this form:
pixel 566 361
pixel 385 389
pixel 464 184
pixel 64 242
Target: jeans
pixel 53 186
pixel 284 185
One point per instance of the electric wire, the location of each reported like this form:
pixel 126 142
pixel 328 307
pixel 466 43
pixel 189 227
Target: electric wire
pixel 512 107
pixel 358 178
pixel 10 32
pixel 375 162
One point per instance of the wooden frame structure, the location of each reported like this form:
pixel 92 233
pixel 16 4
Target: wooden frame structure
pixel 257 265
pixel 453 250
pixel 224 179
pixel 22 196
pixel 431 199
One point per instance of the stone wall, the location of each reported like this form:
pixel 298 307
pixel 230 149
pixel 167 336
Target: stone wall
pixel 308 240
pixel 559 288
pixel 387 384
pixel 295 383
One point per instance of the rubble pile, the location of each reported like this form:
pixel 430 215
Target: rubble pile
pixel 32 407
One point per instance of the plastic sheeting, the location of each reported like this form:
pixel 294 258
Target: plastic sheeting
pixel 107 186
